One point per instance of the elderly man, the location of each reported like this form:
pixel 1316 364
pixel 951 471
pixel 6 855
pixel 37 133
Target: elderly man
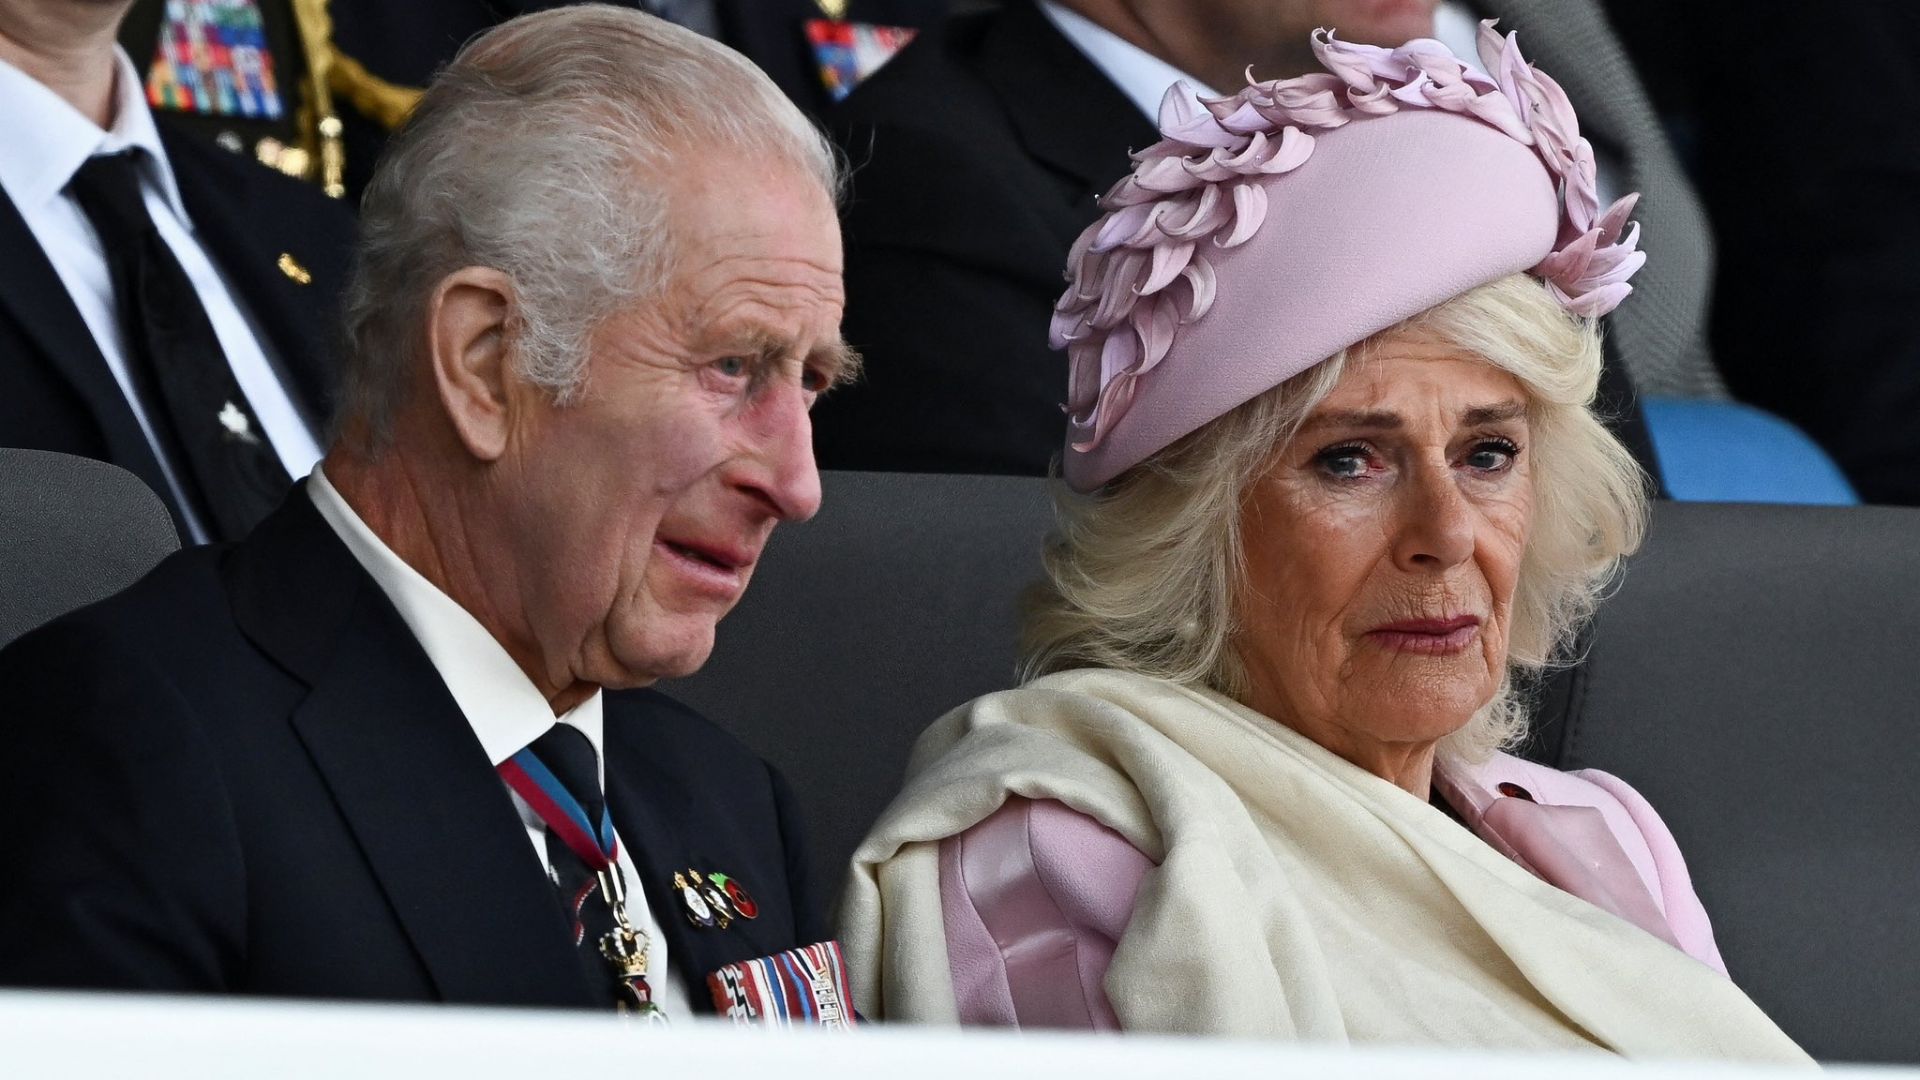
pixel 371 751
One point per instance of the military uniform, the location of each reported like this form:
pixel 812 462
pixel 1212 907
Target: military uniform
pixel 346 72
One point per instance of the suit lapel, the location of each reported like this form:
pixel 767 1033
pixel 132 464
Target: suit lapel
pixel 411 780
pixel 1066 111
pixel 32 292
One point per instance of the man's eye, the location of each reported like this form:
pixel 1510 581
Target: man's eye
pixel 812 380
pixel 732 366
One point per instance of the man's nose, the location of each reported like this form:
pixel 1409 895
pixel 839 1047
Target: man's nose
pixel 1435 527
pixel 781 469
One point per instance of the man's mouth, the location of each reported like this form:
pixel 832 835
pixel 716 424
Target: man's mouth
pixel 728 558
pixel 713 556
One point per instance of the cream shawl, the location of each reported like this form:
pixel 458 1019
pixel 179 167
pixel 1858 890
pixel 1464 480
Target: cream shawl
pixel 1296 896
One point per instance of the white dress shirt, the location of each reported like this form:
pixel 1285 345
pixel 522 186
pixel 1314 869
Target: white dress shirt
pixel 43 142
pixel 1140 75
pixel 507 712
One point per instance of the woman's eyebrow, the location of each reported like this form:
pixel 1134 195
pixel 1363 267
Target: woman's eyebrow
pixel 1369 419
pixel 1479 415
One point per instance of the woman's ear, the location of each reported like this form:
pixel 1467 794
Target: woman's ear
pixel 469 341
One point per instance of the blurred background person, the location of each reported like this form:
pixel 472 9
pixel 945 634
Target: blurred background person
pixel 316 86
pixel 978 154
pixel 163 306
pixel 1341 493
pixel 1813 202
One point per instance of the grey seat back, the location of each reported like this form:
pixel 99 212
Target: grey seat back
pixel 1757 678
pixel 893 605
pixel 72 531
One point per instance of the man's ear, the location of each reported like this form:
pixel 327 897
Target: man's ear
pixel 469 340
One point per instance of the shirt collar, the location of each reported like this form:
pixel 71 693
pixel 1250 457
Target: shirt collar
pixel 1459 30
pixel 507 712
pixel 48 140
pixel 1138 74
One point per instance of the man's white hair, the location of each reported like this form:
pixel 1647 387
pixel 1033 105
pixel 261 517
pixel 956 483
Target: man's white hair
pixel 544 151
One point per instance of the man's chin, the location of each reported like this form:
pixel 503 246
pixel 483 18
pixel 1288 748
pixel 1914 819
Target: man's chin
pixel 653 660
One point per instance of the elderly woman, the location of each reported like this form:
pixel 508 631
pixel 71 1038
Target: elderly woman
pixel 1341 494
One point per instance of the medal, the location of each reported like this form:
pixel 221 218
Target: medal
pixel 808 985
pixel 625 947
pixel 713 899
pixel 717 900
pixel 213 59
pixel 743 904
pixel 847 52
pixel 698 913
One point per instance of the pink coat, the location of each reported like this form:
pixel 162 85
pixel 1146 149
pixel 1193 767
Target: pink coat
pixel 1036 896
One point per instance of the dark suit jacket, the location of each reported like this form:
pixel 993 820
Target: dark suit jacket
pixel 243 775
pixel 59 394
pixel 978 154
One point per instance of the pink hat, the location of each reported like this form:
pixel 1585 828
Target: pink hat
pixel 1242 250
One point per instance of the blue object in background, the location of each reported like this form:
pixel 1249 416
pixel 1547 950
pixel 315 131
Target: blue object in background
pixel 1723 451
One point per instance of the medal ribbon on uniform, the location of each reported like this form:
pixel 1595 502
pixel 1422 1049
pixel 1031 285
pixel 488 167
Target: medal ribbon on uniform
pixel 595 846
pixel 804 986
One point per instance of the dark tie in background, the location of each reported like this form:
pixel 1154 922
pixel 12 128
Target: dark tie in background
pixel 205 426
pixel 569 755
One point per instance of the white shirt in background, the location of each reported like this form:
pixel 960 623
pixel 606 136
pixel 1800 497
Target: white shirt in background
pixel 1140 75
pixel 43 142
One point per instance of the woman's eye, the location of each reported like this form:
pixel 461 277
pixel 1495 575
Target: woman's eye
pixel 1494 455
pixel 732 366
pixel 1344 462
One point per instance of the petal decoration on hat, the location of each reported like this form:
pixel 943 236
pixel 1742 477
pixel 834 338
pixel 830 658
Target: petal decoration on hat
pixel 1184 120
pixel 1142 271
pixel 1204 215
pixel 1199 277
pixel 1168 261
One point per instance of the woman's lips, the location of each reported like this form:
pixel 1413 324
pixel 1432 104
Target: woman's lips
pixel 1427 637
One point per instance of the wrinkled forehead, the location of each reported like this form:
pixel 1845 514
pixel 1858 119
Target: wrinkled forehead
pixel 1411 381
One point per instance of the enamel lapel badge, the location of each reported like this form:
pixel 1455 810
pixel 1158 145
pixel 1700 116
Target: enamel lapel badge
pixel 713 900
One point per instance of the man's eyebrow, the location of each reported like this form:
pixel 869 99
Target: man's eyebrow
pixel 1481 415
pixel 838 360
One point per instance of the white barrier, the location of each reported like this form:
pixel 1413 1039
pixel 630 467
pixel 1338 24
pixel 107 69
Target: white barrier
pixel 86 1035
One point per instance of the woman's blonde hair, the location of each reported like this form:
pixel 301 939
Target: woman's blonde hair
pixel 1143 575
